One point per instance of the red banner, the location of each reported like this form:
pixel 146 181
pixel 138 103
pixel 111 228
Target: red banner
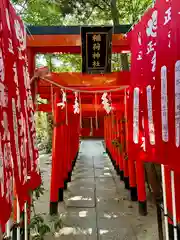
pixel 149 39
pixel 29 151
pixel 161 103
pixel 5 125
pixel 5 145
pixel 136 55
pixel 174 85
pixel 17 129
pixel 143 53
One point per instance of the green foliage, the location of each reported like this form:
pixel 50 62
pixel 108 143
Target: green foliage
pixel 38 227
pixel 69 12
pixel 60 62
pixel 39 12
pixel 38 192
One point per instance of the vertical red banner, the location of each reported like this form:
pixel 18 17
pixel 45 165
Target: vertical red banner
pixel 163 75
pixel 5 140
pixel 172 13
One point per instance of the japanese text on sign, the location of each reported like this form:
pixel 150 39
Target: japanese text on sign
pixel 136 116
pixel 96 48
pixel 164 104
pixel 97 51
pixel 177 103
pixel 151 32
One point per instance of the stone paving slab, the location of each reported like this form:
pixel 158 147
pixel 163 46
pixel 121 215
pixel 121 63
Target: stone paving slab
pixel 116 234
pixel 102 173
pixel 79 217
pixel 80 198
pixel 82 183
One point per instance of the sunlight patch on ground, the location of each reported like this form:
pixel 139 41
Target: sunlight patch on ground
pixel 83 214
pixel 107 174
pixel 73 231
pixel 109 216
pixel 103 231
pixel 106 168
pixel 78 198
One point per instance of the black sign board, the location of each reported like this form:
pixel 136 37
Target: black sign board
pixel 96 49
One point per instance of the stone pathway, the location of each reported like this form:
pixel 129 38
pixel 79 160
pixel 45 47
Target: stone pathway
pixel 96 206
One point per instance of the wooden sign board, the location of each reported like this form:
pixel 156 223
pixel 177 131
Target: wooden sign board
pixel 96 49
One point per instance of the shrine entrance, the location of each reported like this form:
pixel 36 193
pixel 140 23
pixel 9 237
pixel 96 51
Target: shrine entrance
pixel 89 105
pixel 67 40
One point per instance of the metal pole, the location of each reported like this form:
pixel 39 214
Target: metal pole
pixel 18 220
pixel 25 222
pixel 159 220
pixel 165 203
pixel 174 206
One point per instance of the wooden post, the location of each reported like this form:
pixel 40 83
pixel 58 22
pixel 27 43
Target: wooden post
pixel 55 164
pixel 159 220
pixel 141 188
pixel 132 180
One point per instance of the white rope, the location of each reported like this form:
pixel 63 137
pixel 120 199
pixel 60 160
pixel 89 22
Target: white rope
pixel 84 91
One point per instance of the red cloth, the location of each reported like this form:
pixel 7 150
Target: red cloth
pixel 149 38
pixel 173 86
pixel 143 43
pixel 17 129
pixel 161 98
pixel 5 125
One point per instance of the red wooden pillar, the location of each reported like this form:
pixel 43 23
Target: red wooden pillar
pixel 131 158
pixel 65 156
pixel 31 68
pixel 69 159
pixel 75 137
pixel 124 155
pixel 55 162
pixel 141 187
pixel 109 130
pixel 115 147
pixel 121 159
pixel 132 179
pixel 60 146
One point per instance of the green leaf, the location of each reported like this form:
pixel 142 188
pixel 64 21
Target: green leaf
pixel 44 229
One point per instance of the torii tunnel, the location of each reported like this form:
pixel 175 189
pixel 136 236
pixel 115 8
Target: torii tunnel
pixel 93 118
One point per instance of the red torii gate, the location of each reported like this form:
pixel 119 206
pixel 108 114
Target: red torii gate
pixel 68 40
